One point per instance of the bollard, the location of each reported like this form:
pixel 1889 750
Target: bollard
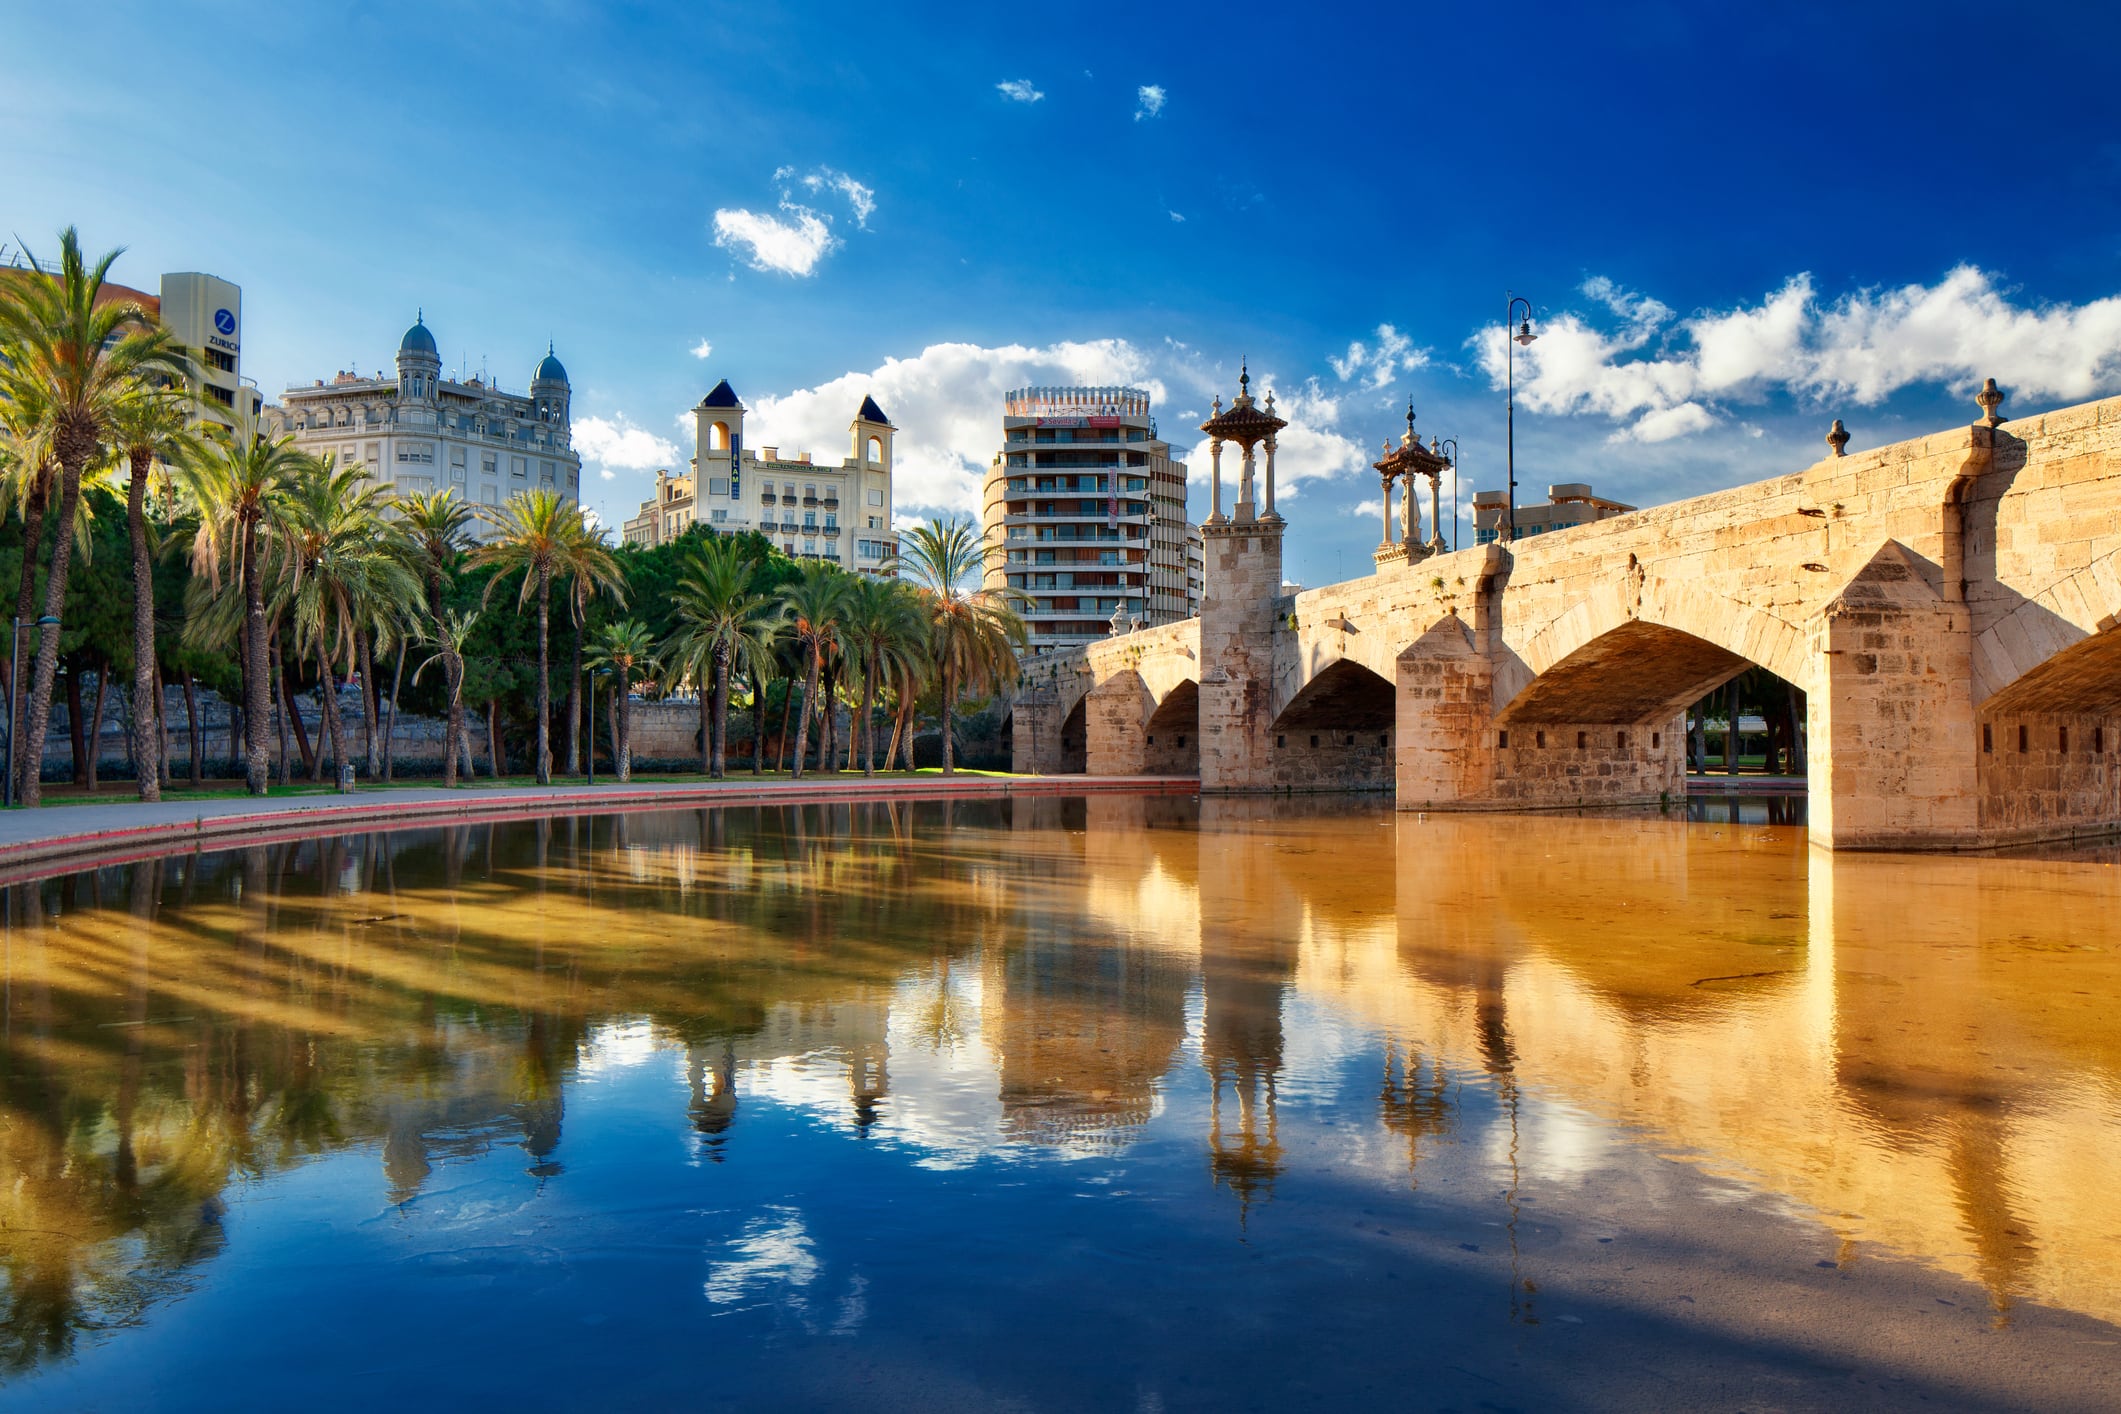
pixel 346 774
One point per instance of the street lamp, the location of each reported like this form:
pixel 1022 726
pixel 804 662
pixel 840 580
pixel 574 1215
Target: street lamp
pixel 1522 338
pixel 1452 457
pixel 14 698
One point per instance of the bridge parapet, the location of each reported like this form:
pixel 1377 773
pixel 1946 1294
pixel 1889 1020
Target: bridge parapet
pixel 1946 607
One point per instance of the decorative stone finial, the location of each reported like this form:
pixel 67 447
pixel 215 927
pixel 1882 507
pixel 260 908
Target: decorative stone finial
pixel 1270 400
pixel 1412 440
pixel 1838 439
pixel 1244 377
pixel 1218 404
pixel 1990 398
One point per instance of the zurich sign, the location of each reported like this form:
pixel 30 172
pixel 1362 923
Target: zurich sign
pixel 224 322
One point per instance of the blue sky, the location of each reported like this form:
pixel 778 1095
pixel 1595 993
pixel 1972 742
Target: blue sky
pixel 1734 226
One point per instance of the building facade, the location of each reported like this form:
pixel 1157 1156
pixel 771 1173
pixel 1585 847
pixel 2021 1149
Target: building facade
pixel 205 314
pixel 1086 510
pixel 1570 503
pixel 812 511
pixel 423 432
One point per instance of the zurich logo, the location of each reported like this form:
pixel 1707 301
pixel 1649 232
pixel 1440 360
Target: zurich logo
pixel 224 322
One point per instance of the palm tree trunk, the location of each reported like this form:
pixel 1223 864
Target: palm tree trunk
pixel 95 726
pixel 898 725
pixel 76 721
pixel 622 714
pixel 913 720
pixel 276 672
pixel 949 718
pixel 368 705
pixel 718 755
pixel 327 716
pixel 758 719
pixel 828 725
pixel 544 767
pixel 574 704
pixel 257 710
pixel 390 727
pixel 32 546
pixel 148 762
pixel 780 743
pixel 40 698
pixel 191 728
pixel 869 676
pixel 802 728
pixel 493 737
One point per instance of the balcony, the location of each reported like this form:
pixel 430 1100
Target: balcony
pixel 766 498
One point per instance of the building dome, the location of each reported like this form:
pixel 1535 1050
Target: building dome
pixel 549 369
pixel 417 340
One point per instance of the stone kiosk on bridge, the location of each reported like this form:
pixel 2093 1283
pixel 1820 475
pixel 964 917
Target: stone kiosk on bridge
pixel 1947 605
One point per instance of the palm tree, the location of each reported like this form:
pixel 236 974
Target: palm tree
pixel 816 606
pixel 340 574
pixel 73 355
pixel 544 536
pixel 150 426
pixel 625 648
pixel 433 530
pixel 238 486
pixel 974 635
pixel 723 615
pixel 884 628
pixel 449 633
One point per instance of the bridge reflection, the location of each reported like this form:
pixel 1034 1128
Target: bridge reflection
pixel 1917 1051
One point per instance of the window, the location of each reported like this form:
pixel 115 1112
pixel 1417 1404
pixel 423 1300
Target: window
pixel 1502 740
pixel 222 360
pixel 876 498
pixel 1622 741
pixel 810 547
pixel 373 454
pixel 545 472
pixel 489 463
pixel 2063 742
pixel 489 495
pixel 717 485
pixel 719 516
pixel 519 467
pixel 1988 738
pixel 456 473
pixel 788 547
pixel 876 522
pixel 1539 738
pixel 810 520
pixel 2021 737
pixel 456 457
pixel 1656 740
pixel 220 395
pixel 417 453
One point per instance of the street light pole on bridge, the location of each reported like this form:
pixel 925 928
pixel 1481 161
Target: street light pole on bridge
pixel 1522 338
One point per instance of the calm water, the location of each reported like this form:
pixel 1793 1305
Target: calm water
pixel 1137 1104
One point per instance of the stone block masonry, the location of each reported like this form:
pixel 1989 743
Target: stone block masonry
pixel 1935 600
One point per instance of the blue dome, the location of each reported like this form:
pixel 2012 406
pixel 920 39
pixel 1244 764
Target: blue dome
pixel 549 369
pixel 418 340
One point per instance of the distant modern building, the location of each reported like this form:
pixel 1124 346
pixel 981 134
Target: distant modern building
pixel 421 431
pixel 839 513
pixel 1087 510
pixel 1196 570
pixel 1570 503
pixel 205 313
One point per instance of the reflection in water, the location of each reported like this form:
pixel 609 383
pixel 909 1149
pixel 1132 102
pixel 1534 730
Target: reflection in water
pixel 1916 1054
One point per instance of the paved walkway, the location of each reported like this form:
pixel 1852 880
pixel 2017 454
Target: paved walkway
pixel 119 830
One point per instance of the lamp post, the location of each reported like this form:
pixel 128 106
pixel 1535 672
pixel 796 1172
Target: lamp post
pixel 1522 338
pixel 1452 457
pixel 14 698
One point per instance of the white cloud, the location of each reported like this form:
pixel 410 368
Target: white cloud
pixel 1019 91
pixel 793 242
pixel 860 199
pixel 616 444
pixel 1376 366
pixel 703 349
pixel 1178 218
pixel 1371 509
pixel 1151 98
pixel 1666 378
pixel 793 246
pixel 947 403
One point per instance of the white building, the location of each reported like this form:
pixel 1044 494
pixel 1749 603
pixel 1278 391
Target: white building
pixel 421 431
pixel 839 513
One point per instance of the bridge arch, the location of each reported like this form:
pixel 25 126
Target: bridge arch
pixel 1743 630
pixel 1337 728
pixel 1171 735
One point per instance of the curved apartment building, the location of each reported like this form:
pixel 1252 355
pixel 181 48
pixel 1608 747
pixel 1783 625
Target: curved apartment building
pixel 1085 514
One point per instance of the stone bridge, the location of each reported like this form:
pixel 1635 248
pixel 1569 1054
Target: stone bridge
pixel 1947 605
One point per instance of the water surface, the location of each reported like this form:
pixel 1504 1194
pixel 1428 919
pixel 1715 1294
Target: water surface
pixel 1064 1104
